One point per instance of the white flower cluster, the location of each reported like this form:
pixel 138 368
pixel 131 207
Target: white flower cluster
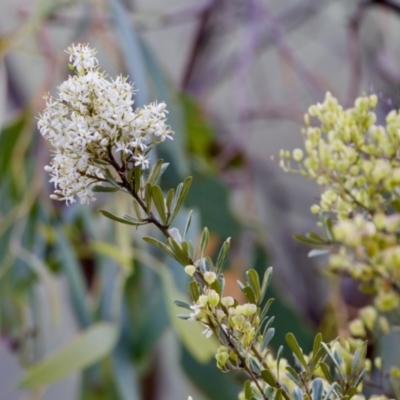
pixel 91 120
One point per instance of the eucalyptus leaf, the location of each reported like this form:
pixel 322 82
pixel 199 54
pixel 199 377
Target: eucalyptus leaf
pixel 87 348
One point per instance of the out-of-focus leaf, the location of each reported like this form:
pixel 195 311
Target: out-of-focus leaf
pixel 76 284
pixel 8 138
pixel 86 349
pixel 125 375
pixel 199 130
pixel 189 332
pixel 132 50
pixel 210 195
pixel 109 250
pixel 175 151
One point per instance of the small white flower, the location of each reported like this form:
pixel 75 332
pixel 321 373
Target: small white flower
pixel 142 161
pixel 91 116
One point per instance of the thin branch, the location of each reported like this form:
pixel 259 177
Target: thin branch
pixel 355 43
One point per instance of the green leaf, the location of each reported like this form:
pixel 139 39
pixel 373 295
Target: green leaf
pixel 325 369
pixel 278 394
pixel 316 389
pixel 155 172
pixel 292 342
pixel 317 343
pixel 268 377
pixel 130 221
pixel 205 236
pixel 158 199
pixel 182 304
pixel 178 252
pixel 254 282
pixel 170 197
pixel 180 196
pixel 248 391
pixel 147 195
pixel 359 360
pixel 266 308
pixel 194 290
pixel 187 226
pixel 161 245
pixel 266 281
pixel 249 294
pixel 334 360
pixel 222 256
pixel 138 178
pixel 278 360
pixel 110 179
pixel 298 394
pixel 308 240
pixel 104 189
pixel 87 348
pixel 267 338
pixel 293 375
pixel 190 333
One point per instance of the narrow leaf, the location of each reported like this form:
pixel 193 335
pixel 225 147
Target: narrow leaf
pixel 87 348
pixel 158 199
pixel 132 221
pixel 268 377
pixel 292 342
pixel 254 282
pixel 180 198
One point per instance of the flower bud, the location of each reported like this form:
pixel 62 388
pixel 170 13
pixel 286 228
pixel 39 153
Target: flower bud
pixel 213 298
pixel 227 301
pixel 298 155
pixel 190 270
pixel 209 277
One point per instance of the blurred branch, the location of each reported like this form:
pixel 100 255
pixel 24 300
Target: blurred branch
pixel 355 44
pixel 271 112
pixel 143 21
pixel 209 75
pixel 198 42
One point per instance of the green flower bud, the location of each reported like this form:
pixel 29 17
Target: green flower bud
pixel 190 270
pixel 298 155
pixel 209 277
pixel 213 298
pixel 227 301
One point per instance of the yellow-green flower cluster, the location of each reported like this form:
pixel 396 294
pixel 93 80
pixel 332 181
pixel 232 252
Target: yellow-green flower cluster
pixel 357 162
pixel 241 321
pixel 368 323
pixel 355 159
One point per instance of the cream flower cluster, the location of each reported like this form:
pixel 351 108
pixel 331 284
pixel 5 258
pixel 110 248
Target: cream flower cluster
pixel 92 121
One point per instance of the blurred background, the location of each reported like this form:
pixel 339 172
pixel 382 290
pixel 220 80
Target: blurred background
pixel 237 77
